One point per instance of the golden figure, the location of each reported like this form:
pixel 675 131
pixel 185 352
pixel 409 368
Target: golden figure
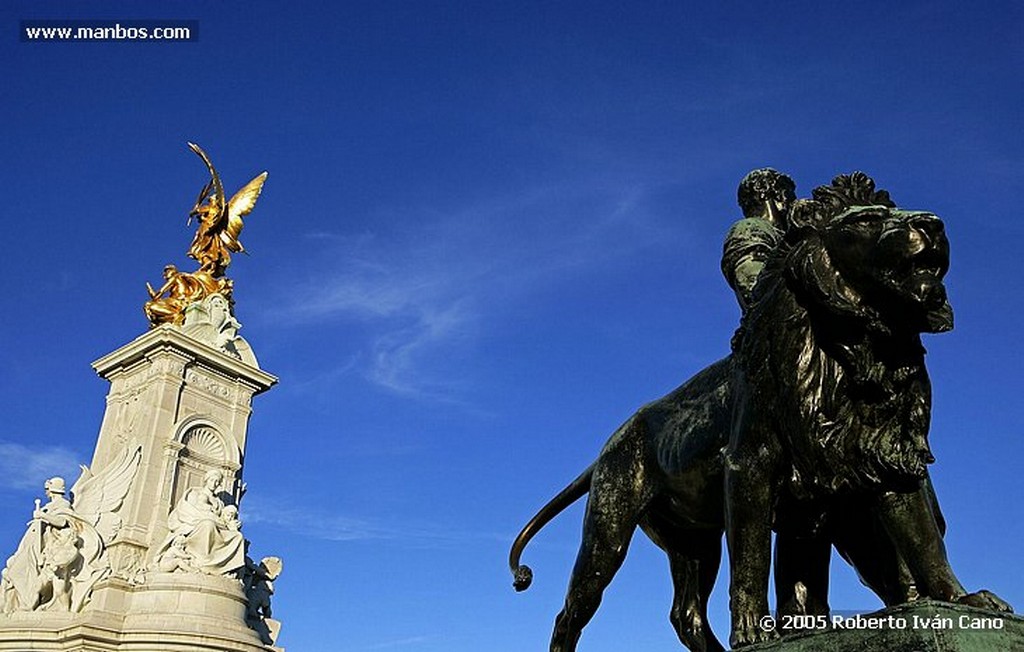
pixel 220 223
pixel 181 289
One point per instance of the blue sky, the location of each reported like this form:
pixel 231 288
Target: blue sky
pixel 490 232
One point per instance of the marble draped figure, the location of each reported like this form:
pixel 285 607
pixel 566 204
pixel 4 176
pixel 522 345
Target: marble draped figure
pixel 205 535
pixel 58 560
pixel 63 553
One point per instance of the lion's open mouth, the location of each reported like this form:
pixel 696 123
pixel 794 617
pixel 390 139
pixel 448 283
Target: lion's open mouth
pixel 918 254
pixel 926 288
pixel 925 294
pixel 918 286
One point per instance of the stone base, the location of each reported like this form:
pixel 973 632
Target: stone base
pixel 924 626
pixel 169 612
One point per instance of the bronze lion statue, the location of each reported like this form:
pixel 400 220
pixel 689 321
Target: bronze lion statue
pixel 815 426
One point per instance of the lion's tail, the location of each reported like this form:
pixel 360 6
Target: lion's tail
pixel 578 488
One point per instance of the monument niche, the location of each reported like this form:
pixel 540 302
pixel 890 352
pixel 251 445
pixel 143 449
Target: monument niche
pixel 147 551
pixel 815 426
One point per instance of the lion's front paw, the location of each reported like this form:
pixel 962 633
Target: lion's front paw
pixel 752 627
pixel 986 600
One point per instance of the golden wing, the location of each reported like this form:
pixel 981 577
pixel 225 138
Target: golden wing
pixel 240 205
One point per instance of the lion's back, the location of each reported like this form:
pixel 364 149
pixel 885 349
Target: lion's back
pixel 689 427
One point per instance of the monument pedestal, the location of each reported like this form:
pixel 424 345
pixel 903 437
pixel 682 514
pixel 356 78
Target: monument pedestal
pixel 177 416
pixel 924 626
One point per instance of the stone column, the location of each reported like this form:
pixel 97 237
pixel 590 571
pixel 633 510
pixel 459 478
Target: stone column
pixel 185 407
pixel 188 406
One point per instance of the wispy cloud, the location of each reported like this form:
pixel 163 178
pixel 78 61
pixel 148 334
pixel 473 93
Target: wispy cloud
pixel 402 642
pixel 395 353
pixel 22 467
pixel 424 291
pixel 329 526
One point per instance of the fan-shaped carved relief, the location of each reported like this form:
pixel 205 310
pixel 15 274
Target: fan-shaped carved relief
pixel 205 442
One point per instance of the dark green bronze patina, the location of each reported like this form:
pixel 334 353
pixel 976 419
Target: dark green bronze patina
pixel 816 426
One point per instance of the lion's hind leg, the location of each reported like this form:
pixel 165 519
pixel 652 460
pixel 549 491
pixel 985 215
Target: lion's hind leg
pixel 692 580
pixel 694 556
pixel 606 537
pixel 618 495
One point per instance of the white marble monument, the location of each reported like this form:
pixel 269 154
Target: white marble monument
pixel 146 551
pixel 150 553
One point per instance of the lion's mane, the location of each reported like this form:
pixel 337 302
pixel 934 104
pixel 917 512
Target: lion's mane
pixel 844 387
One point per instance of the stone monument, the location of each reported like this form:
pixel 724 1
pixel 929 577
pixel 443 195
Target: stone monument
pixel 816 427
pixel 147 551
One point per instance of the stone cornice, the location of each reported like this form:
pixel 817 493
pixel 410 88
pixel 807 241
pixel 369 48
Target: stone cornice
pixel 170 339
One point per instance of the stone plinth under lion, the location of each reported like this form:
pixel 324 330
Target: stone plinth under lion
pixel 923 626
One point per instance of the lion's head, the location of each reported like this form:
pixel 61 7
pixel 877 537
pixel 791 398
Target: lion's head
pixel 857 255
pixel 834 334
pixel 895 261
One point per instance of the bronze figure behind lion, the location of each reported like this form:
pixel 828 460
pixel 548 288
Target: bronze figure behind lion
pixel 816 426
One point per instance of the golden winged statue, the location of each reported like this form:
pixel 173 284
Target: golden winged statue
pixel 219 225
pixel 220 221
